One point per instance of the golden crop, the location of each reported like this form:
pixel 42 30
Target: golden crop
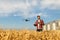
pixel 29 35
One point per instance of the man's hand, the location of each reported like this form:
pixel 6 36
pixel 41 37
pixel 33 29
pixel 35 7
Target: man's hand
pixel 35 25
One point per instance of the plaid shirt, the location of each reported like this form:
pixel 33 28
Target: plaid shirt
pixel 39 24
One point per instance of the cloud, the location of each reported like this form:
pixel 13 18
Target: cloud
pixel 35 15
pixel 27 8
pixel 50 4
pixel 8 7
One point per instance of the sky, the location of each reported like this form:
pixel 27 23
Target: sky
pixel 13 12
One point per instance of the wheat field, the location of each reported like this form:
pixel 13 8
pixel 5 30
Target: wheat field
pixel 29 35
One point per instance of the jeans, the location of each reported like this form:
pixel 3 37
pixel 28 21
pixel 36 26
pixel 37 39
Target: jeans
pixel 39 30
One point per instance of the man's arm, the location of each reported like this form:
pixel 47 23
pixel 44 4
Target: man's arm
pixel 43 22
pixel 35 24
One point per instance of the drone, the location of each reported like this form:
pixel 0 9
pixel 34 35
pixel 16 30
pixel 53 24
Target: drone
pixel 26 20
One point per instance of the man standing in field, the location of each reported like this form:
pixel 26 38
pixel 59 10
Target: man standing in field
pixel 39 24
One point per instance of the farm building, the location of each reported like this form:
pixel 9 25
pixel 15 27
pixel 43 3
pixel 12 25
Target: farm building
pixel 54 25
